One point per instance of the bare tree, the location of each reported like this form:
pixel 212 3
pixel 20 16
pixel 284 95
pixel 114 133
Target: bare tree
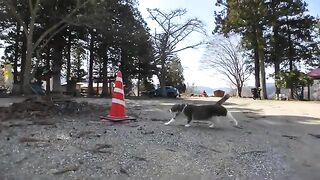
pixel 172 33
pixel 226 57
pixel 44 38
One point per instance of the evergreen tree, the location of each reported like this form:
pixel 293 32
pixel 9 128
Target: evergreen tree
pixel 175 74
pixel 248 18
pixel 291 40
pixel 53 30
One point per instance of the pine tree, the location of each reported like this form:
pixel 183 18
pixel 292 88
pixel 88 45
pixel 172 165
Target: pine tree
pixel 291 40
pixel 248 19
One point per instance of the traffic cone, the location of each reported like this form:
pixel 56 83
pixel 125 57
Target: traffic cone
pixel 118 106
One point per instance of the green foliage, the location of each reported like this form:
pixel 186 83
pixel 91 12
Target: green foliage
pixel 289 32
pixel 294 78
pixel 279 32
pixel 77 65
pixel 175 74
pixel 247 18
pixel 292 38
pixel 118 27
pixel 146 85
pixel 240 16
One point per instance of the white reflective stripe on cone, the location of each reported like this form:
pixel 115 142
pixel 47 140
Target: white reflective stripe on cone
pixel 119 79
pixel 118 90
pixel 118 101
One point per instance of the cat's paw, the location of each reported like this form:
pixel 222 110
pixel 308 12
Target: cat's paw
pixel 187 125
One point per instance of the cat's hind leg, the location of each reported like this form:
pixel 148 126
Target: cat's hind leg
pixel 212 121
pixel 231 118
pixel 188 122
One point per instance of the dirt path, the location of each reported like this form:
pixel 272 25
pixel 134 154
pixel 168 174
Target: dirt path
pixel 273 143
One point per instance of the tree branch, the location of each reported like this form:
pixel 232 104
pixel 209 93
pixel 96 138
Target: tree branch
pixel 156 19
pixel 227 61
pixel 64 20
pixel 16 15
pixel 187 47
pixel 52 35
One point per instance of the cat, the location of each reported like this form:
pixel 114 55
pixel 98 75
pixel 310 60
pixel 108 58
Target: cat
pixel 213 112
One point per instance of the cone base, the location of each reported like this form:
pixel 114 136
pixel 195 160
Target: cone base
pixel 112 118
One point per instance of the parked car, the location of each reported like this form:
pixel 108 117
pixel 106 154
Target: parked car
pixel 171 92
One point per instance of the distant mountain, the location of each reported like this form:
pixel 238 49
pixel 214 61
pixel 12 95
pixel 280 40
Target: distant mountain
pixel 246 91
pixel 271 89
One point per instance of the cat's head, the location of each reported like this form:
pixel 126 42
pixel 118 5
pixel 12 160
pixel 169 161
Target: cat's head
pixel 177 108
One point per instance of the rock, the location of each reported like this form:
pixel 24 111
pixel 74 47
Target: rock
pixel 147 132
pixel 67 169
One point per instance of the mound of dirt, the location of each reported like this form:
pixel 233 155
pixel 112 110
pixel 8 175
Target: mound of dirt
pixel 44 107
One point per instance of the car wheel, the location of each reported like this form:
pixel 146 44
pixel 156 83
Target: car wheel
pixel 170 94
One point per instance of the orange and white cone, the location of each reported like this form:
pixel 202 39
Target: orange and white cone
pixel 118 106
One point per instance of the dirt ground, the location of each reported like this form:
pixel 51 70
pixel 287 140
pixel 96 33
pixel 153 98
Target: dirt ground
pixel 276 140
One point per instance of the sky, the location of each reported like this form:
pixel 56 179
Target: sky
pixel 204 10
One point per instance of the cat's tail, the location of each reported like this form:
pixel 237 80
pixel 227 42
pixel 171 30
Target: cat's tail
pixel 230 117
pixel 223 99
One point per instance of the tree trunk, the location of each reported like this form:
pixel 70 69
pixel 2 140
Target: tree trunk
pixel 256 67
pixel 90 85
pixel 97 92
pixel 162 81
pixel 138 86
pixel 239 91
pixel 16 54
pixel 291 53
pixel 262 75
pixel 291 69
pixel 23 61
pixel 105 83
pixel 78 68
pixel 99 78
pixel 162 78
pixel 302 93
pixel 260 44
pixel 57 65
pixel 277 73
pixel 69 84
pixel 139 77
pixel 48 87
pixel 276 59
pixel 27 76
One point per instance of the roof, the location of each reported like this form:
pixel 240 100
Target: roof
pixel 314 73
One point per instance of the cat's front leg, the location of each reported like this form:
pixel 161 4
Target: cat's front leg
pixel 171 121
pixel 188 122
pixel 212 125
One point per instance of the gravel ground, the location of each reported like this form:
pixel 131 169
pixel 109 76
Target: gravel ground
pixel 82 147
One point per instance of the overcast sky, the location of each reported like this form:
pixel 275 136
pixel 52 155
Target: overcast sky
pixel 204 10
